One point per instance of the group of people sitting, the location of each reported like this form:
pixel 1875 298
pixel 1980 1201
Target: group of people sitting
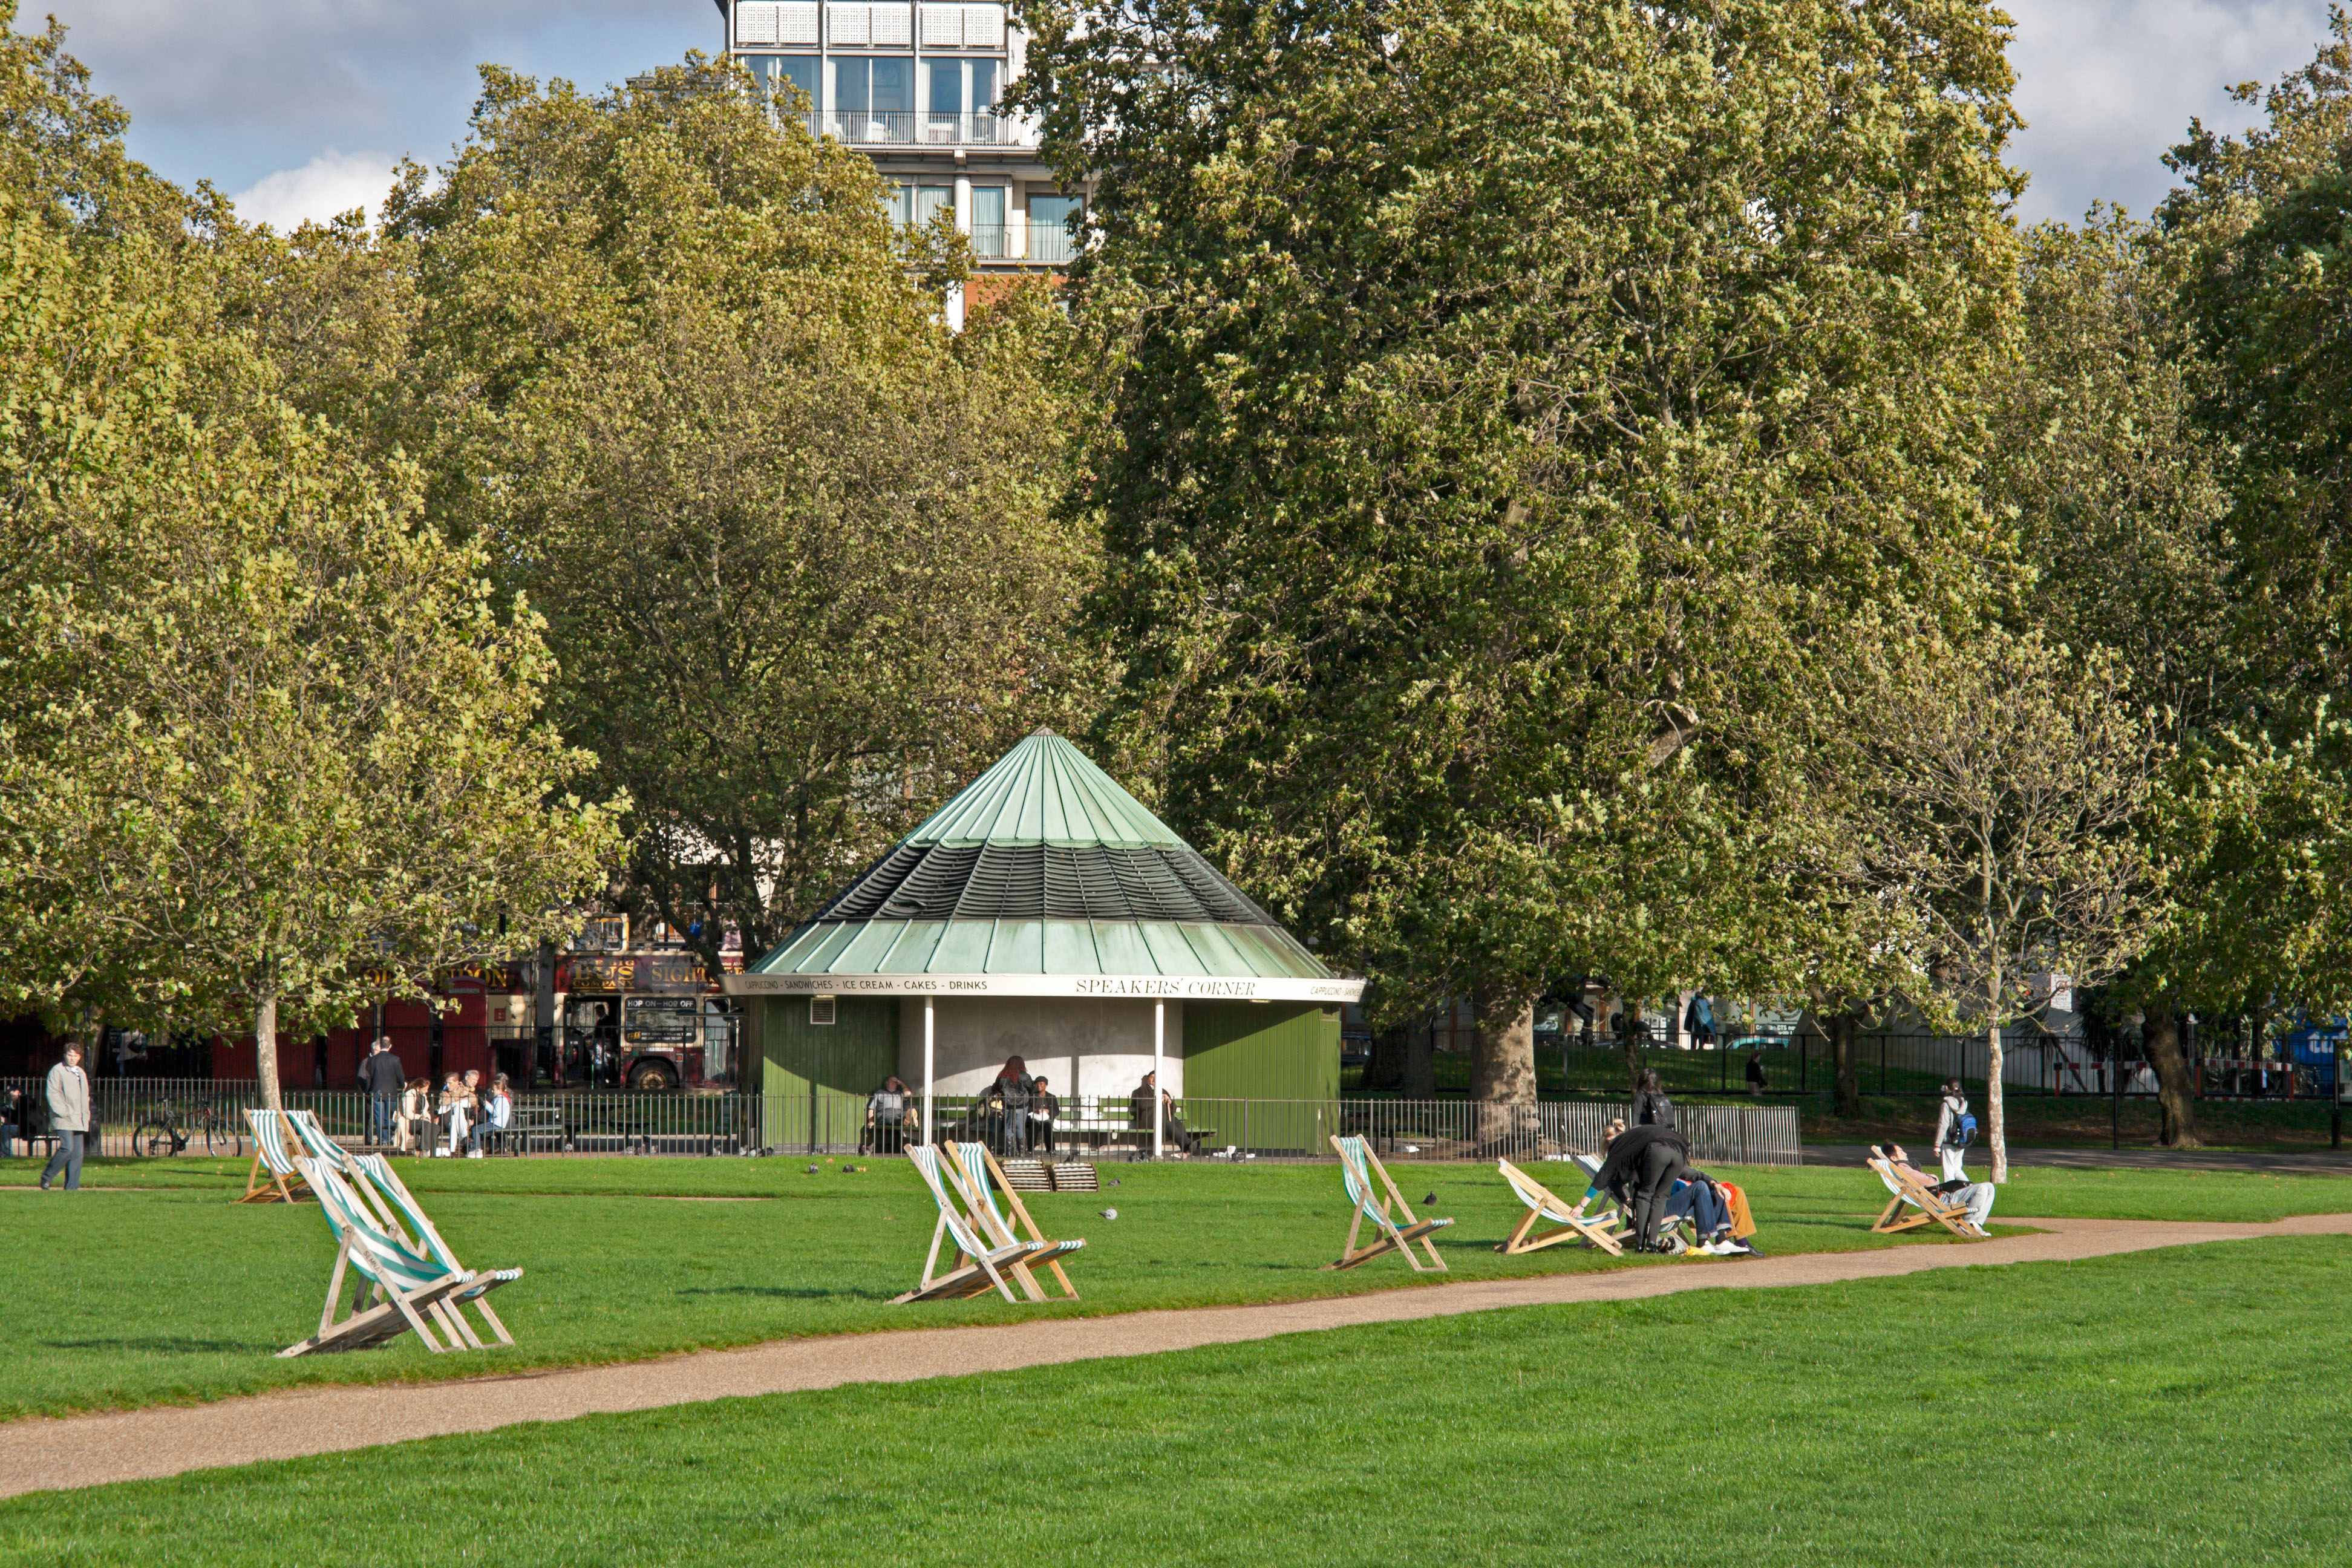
pixel 464 1118
pixel 1646 1172
pixel 1017 1113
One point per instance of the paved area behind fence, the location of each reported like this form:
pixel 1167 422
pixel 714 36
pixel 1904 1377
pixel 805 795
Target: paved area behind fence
pixel 2270 1161
pixel 92 1450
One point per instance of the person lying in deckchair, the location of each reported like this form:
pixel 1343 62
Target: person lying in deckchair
pixel 1974 1197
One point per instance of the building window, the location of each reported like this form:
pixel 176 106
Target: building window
pixel 1051 219
pixel 774 72
pixel 820 1009
pixel 873 99
pixel 987 222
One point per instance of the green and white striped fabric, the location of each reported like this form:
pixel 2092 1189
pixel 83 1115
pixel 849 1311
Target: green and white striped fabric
pixel 378 1256
pixel 1358 1178
pixel 377 1171
pixel 270 1137
pixel 973 1157
pixel 316 1143
pixel 926 1160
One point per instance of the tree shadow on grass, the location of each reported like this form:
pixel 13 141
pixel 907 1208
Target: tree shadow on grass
pixel 785 1292
pixel 166 1344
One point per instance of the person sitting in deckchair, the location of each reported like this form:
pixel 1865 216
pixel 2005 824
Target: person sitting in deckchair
pixel 1975 1196
pixel 1696 1198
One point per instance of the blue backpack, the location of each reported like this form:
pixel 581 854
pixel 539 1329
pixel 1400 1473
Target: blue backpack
pixel 1964 1127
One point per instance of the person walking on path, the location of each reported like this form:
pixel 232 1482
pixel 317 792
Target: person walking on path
pixel 381 1081
pixel 1951 1131
pixel 69 1096
pixel 1755 1074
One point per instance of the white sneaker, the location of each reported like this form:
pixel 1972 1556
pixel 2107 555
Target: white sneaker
pixel 473 1153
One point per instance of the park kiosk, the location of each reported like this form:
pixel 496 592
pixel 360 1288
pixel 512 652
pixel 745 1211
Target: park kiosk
pixel 1044 913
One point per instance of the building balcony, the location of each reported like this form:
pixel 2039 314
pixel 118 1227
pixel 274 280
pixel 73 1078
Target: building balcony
pixel 1039 246
pixel 895 128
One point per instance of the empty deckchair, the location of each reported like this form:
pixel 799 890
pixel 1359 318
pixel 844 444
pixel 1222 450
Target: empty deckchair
pixel 402 1290
pixel 1930 1206
pixel 1358 1164
pixel 982 1178
pixel 274 1152
pixel 980 1260
pixel 400 1208
pixel 1593 1230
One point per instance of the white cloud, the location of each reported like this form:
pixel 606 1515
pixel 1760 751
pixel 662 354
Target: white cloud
pixel 2107 86
pixel 331 183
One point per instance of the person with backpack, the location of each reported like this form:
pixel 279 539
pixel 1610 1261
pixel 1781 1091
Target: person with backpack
pixel 1652 1108
pixel 1955 1131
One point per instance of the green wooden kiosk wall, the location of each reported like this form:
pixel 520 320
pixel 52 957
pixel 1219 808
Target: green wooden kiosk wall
pixel 1282 1057
pixel 820 1074
pixel 1263 1051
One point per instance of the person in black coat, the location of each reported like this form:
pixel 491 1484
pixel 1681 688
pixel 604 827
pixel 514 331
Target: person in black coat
pixel 1651 1106
pixel 1639 1170
pixel 381 1079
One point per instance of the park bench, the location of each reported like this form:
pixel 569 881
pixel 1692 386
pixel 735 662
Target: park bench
pixel 529 1126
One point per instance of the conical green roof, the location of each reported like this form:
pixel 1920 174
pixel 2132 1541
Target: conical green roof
pixel 1044 867
pixel 1045 790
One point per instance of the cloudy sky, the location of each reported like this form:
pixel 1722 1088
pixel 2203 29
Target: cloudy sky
pixel 299 107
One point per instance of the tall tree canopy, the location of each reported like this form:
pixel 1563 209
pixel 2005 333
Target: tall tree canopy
pixel 790 533
pixel 1503 397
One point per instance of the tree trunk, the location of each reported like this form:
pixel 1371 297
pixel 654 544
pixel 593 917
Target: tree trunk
pixel 1386 1068
pixel 1421 1062
pixel 1840 1028
pixel 2336 1101
pixel 265 1050
pixel 1632 1034
pixel 1503 1066
pixel 2176 1089
pixel 1995 1121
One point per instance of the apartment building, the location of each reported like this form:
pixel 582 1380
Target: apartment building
pixel 916 87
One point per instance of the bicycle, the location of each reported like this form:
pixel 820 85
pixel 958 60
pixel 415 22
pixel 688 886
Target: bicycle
pixel 165 1133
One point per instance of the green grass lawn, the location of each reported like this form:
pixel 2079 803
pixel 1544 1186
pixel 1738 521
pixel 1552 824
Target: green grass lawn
pixel 2155 1408
pixel 154 1287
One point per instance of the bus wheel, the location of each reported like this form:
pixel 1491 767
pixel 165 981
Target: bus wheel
pixel 653 1078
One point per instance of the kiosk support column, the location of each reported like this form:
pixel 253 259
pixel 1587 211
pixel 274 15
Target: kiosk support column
pixel 1159 1061
pixel 929 1034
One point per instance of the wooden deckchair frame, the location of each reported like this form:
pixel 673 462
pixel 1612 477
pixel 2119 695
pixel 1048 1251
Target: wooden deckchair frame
pixel 984 1214
pixel 1929 1205
pixel 378 1184
pixel 1543 1204
pixel 1393 1237
pixel 975 1273
pixel 282 1187
pixel 381 1310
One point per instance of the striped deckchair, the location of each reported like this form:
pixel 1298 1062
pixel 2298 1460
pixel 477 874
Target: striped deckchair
pixel 1593 1230
pixel 402 1212
pixel 979 1260
pixel 1358 1164
pixel 1615 1215
pixel 274 1152
pixel 983 1177
pixel 403 1291
pixel 1929 1205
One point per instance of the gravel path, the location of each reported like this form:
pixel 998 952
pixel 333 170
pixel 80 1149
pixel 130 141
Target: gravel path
pixel 2313 1161
pixel 46 1453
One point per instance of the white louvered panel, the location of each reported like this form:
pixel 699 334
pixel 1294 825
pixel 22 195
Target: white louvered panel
pixel 942 27
pixel 983 26
pixel 848 25
pixel 755 22
pixel 796 25
pixel 894 25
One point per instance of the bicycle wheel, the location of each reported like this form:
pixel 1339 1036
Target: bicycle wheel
pixel 153 1138
pixel 224 1137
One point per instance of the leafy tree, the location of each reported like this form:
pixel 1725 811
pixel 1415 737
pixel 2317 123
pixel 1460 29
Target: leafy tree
pixel 1507 404
pixel 265 742
pixel 2002 788
pixel 61 154
pixel 790 532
